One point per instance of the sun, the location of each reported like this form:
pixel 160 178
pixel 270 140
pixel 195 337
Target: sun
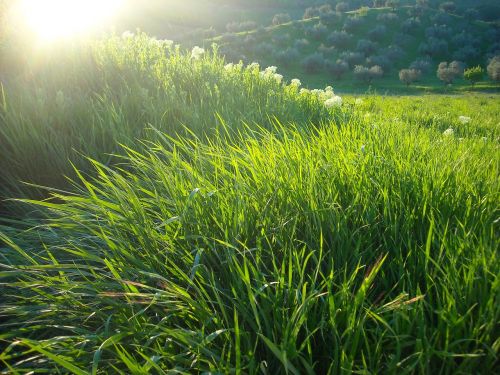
pixel 56 19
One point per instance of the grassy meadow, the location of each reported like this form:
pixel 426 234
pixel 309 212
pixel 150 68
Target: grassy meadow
pixel 165 212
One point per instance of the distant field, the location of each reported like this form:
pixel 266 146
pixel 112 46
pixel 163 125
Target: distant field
pixel 221 220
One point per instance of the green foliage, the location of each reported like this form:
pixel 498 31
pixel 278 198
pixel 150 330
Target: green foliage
pixel 448 6
pixel 433 34
pixel 366 74
pixel 493 68
pixel 360 245
pixel 281 18
pixel 447 73
pixel 95 96
pixel 474 75
pixel 241 226
pixel 392 4
pixel 409 76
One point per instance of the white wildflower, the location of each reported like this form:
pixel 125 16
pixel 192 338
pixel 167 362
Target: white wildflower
pixel 329 88
pixel 270 70
pixel 168 43
pixel 278 77
pixel 358 101
pixel 304 91
pixel 197 52
pixel 155 42
pixel 295 82
pixel 229 66
pixel 327 94
pixel 127 34
pixel 464 119
pixel 335 101
pixel 316 92
pixel 253 66
pixel 449 132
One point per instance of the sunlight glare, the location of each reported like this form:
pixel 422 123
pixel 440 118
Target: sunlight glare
pixel 54 19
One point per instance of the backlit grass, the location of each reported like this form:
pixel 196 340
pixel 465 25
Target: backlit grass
pixel 355 239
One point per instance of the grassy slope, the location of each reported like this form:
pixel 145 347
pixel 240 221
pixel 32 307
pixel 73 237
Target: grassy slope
pixel 172 19
pixel 390 83
pixel 355 239
pixel 89 98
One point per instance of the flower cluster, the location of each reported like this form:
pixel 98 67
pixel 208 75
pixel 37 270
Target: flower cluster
pixel 464 119
pixel 449 132
pixel 270 72
pixel 197 52
pixel 334 101
pixel 253 66
pixel 328 97
pixel 127 34
pixel 161 43
pixel 233 68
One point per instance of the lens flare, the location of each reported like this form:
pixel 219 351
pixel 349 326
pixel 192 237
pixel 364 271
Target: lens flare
pixel 55 19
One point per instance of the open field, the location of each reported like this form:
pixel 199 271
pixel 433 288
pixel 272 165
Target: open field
pixel 218 219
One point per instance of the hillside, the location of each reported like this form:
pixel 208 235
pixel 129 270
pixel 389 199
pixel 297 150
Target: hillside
pixel 166 211
pixel 391 38
pixel 243 224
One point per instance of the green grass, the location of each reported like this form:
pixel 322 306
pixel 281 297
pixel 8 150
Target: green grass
pixel 287 239
pixel 86 99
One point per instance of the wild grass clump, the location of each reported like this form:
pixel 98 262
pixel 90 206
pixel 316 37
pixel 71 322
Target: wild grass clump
pixel 367 246
pixel 88 97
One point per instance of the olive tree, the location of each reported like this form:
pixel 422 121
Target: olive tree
pixel 408 76
pixel 448 6
pixel 422 64
pixel 493 68
pixel 433 47
pixel 367 75
pixel 313 63
pixel 392 4
pixel 342 7
pixel 474 75
pixel 340 39
pixel 449 72
pixel 310 12
pixel 337 69
pixel 281 18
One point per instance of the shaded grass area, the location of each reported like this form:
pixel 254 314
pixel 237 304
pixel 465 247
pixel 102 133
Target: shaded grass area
pixel 288 238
